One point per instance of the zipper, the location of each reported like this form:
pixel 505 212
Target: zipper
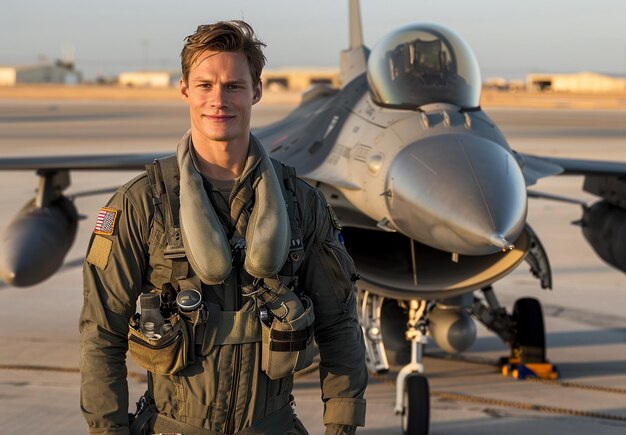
pixel 347 260
pixel 230 420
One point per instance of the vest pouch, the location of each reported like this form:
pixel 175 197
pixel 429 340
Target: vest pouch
pixel 196 322
pixel 287 346
pixel 228 328
pixel 163 356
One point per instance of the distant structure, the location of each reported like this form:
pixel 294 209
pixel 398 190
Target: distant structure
pixel 298 79
pixel 151 79
pixel 60 72
pixel 583 82
pixel 502 84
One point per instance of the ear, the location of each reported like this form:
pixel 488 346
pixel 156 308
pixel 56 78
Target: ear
pixel 183 89
pixel 258 93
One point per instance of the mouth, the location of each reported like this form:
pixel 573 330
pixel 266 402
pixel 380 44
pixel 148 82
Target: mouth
pixel 219 118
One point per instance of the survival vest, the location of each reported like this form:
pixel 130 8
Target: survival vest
pixel 163 175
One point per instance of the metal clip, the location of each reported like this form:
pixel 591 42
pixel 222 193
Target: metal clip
pixel 238 249
pixel 142 404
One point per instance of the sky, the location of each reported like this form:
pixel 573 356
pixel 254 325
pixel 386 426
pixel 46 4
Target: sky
pixel 510 38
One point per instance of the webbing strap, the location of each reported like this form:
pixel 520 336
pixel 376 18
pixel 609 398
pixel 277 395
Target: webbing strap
pixel 288 346
pixel 302 334
pixel 164 183
pixel 170 177
pixel 155 184
pixel 289 179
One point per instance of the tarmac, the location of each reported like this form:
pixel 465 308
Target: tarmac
pixel 584 314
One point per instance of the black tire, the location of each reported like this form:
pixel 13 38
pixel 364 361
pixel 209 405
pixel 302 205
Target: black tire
pixel 416 413
pixel 530 337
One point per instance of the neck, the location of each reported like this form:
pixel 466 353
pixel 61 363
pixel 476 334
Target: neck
pixel 220 160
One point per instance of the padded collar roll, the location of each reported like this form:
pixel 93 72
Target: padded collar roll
pixel 206 244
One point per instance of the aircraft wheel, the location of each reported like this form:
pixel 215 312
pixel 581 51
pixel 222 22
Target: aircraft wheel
pixel 416 413
pixel 530 338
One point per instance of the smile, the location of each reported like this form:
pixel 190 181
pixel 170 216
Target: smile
pixel 219 118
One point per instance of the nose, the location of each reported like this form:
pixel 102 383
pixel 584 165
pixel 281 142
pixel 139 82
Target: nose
pixel 458 193
pixel 217 96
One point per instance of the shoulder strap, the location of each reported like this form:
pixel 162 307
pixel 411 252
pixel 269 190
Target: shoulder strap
pixel 164 181
pixel 289 181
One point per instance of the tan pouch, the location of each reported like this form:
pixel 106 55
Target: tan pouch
pixel 163 356
pixel 287 346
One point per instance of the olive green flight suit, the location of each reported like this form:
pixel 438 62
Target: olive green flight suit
pixel 224 390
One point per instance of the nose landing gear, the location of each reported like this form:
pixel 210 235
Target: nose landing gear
pixel 412 392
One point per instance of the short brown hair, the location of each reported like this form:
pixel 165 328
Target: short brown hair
pixel 224 36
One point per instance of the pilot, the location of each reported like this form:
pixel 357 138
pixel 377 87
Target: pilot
pixel 247 267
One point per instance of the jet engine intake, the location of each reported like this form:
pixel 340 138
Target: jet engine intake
pixel 385 263
pixel 604 227
pixel 36 241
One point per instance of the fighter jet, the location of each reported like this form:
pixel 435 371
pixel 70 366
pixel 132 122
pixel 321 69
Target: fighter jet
pixel 432 199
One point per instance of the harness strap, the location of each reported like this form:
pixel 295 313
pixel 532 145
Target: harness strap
pixel 170 177
pixel 164 183
pixel 296 246
pixel 289 179
pixel 155 185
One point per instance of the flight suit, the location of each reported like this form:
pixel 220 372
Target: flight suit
pixel 224 390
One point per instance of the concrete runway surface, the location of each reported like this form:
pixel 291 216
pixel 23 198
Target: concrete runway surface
pixel 585 314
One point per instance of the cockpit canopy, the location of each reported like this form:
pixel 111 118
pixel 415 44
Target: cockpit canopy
pixel 422 64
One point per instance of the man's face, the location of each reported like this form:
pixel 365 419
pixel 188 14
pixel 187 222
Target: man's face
pixel 220 94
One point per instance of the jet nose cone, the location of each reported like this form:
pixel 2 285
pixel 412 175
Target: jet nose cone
pixel 458 193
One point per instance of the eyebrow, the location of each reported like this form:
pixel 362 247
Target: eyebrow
pixel 230 82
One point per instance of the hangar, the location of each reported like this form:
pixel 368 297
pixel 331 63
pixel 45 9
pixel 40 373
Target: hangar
pixel 59 72
pixel 152 79
pixel 298 79
pixel 582 82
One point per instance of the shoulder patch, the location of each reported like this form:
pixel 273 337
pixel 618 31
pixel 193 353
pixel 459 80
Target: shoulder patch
pixel 99 252
pixel 105 223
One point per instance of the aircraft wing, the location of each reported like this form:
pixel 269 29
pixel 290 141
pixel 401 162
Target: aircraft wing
pixel 588 167
pixel 536 167
pixel 106 162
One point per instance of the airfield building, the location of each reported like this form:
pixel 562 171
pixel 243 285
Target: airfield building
pixel 59 72
pixel 298 79
pixel 583 82
pixel 150 79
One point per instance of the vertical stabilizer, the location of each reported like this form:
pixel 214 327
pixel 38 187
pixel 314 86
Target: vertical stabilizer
pixel 353 61
pixel 355 24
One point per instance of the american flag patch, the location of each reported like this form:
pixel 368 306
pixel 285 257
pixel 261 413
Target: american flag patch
pixel 105 224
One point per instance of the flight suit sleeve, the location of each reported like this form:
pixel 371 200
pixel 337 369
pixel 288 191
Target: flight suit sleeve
pixel 328 276
pixel 112 274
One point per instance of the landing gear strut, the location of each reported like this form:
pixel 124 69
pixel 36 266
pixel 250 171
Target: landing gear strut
pixel 412 393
